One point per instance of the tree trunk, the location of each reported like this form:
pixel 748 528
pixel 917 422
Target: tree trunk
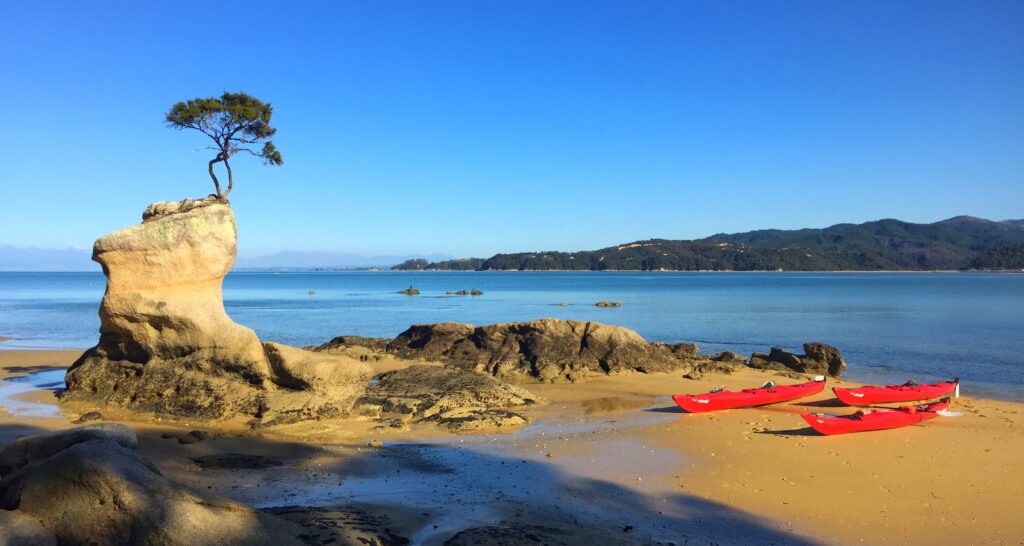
pixel 216 183
pixel 230 179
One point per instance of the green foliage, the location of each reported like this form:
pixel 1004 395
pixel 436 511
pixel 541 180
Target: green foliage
pixel 232 121
pixel 411 265
pixel 872 246
pixel 1003 258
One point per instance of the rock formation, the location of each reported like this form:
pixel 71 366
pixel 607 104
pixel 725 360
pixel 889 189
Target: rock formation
pixel 168 346
pixel 546 349
pixel 460 400
pixel 819 358
pixel 90 486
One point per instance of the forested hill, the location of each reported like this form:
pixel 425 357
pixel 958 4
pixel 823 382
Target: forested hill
pixel 958 243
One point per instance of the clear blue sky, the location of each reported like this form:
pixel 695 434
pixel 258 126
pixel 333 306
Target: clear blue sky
pixel 476 127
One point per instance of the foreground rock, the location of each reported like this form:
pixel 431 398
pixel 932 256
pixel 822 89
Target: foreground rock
pixel 459 400
pixel 89 486
pixel 167 345
pixel 819 358
pixel 546 349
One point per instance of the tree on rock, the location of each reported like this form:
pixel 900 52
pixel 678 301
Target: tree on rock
pixel 233 121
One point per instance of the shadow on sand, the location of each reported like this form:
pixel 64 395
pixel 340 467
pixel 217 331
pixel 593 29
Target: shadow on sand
pixel 429 492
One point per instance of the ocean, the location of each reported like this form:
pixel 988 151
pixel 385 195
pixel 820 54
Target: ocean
pixel 889 326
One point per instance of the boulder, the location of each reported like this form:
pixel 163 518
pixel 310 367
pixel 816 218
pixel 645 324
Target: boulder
pixel 785 358
pixel 310 385
pixel 682 351
pixel 728 356
pixel 167 345
pixel 819 358
pixel 91 488
pixel 825 358
pixel 460 400
pixel 546 349
pixel 23 451
pixel 19 529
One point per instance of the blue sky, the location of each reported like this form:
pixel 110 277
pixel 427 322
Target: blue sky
pixel 475 127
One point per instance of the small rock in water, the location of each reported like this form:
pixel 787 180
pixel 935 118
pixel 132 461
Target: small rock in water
pixel 410 291
pixel 90 416
pixel 312 292
pixel 627 528
pixel 475 292
pixel 608 304
pixel 375 443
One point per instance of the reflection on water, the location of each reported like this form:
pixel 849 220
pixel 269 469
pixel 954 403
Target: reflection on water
pixel 11 388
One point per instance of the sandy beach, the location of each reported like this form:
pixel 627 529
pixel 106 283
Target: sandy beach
pixel 612 455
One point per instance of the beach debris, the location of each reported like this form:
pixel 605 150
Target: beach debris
pixel 89 416
pixel 190 437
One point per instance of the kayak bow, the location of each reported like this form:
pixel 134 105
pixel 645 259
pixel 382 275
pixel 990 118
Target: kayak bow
pixel 713 401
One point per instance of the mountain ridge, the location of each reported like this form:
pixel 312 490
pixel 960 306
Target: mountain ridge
pixel 887 244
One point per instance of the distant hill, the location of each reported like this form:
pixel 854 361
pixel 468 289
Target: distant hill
pixel 39 259
pixel 292 259
pixel 871 246
pixel 1003 258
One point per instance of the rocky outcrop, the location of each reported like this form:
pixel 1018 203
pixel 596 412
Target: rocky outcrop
pixel 819 358
pixel 460 400
pixel 166 343
pixel 546 349
pixel 311 386
pixel 822 358
pixel 89 486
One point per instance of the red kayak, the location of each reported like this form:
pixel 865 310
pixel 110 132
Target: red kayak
pixel 720 400
pixel 865 420
pixel 908 392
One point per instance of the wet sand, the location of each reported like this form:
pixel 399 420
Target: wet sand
pixel 615 456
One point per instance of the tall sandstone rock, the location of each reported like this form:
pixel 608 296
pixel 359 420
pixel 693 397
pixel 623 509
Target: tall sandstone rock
pixel 168 346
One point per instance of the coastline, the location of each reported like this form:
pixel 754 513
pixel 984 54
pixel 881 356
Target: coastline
pixel 621 439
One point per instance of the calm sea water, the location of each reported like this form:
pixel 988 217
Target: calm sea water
pixel 890 326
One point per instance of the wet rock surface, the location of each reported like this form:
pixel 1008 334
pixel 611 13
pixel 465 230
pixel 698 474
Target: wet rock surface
pixel 459 400
pixel 547 349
